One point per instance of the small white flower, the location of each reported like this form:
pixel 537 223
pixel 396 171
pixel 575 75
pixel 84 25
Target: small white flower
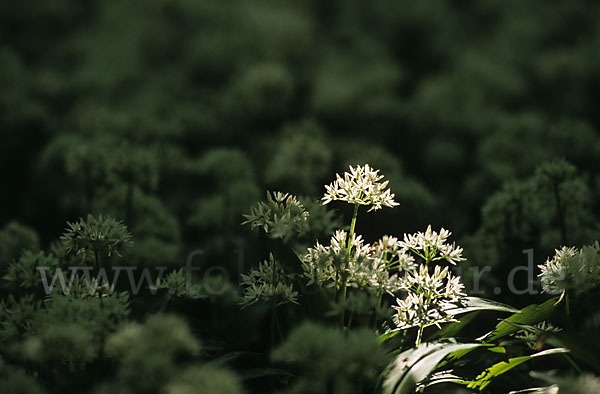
pixel 432 246
pixel 430 298
pixel 554 273
pixel 389 252
pixel 366 267
pixel 360 186
pixel 325 263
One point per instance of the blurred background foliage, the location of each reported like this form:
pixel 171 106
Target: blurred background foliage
pixel 174 116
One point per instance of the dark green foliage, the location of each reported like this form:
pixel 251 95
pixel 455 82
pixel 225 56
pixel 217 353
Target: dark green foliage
pixel 151 350
pixel 204 380
pixel 165 121
pixel 17 317
pixel 331 361
pixel 552 208
pixel 14 239
pixel 17 381
pixel 302 155
pixel 23 275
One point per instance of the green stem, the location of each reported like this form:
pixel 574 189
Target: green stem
pixel 274 322
pixel 273 328
pixel 573 364
pixel 278 326
pixel 568 311
pixel 349 251
pixel 343 314
pixel 350 319
pixel 352 226
pixel 378 308
pixel 419 336
pixel 335 287
pixel 97 258
pixel 102 336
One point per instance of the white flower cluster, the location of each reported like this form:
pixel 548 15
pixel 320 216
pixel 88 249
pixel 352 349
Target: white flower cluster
pixel 389 252
pixel 367 266
pixel 360 186
pixel 322 264
pixel 430 299
pixel 432 246
pixel 388 255
pixel 268 283
pixel 554 270
pixel 572 270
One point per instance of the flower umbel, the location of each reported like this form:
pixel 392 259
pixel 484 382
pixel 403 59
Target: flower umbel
pixel 432 246
pixel 324 263
pixel 389 252
pixel 430 299
pixel 362 186
pixel 572 269
pixel 553 274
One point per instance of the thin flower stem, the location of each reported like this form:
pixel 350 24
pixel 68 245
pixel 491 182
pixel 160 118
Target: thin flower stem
pixel 419 335
pixel 352 226
pixel 102 336
pixel 278 326
pixel 350 319
pixel 275 328
pixel 349 251
pixel 568 310
pixel 573 364
pixel 343 315
pixel 97 259
pixel 335 287
pixel 376 312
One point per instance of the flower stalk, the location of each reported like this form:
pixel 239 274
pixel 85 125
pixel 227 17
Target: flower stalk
pixel 419 335
pixel 348 253
pixel 352 227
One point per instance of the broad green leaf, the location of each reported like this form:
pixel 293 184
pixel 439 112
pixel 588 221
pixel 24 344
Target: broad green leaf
pixel 440 377
pixel 529 315
pixel 486 377
pixel 471 304
pixel 455 356
pixel 460 353
pixel 414 365
pixel 388 335
pixel 535 390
